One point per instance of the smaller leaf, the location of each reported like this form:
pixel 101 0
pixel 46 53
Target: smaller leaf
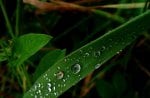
pixel 47 61
pixel 3 57
pixel 105 89
pixel 27 45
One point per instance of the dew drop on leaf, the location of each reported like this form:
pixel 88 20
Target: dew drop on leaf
pixel 58 85
pixel 97 66
pixel 39 92
pixel 76 68
pixel 65 60
pixel 119 51
pixel 54 88
pixel 35 96
pixel 97 54
pixel 80 51
pixel 55 94
pixel 64 80
pixel 58 67
pixel 49 87
pixel 86 54
pixel 103 48
pixel 68 76
pixel 59 75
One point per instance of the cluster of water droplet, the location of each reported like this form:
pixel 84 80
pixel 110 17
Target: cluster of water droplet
pixel 62 77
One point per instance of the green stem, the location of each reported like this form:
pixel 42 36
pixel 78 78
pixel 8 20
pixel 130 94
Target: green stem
pixel 119 10
pixel 109 16
pixel 26 75
pixel 10 31
pixel 147 4
pixel 18 11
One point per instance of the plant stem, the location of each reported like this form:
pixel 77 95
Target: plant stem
pixel 10 31
pixel 108 15
pixel 122 6
pixel 147 5
pixel 18 11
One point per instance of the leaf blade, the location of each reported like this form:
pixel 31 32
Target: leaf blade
pixel 26 46
pixel 88 57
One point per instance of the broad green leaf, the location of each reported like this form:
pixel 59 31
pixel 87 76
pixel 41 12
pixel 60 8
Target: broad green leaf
pixel 47 61
pixel 27 45
pixel 105 89
pixel 86 59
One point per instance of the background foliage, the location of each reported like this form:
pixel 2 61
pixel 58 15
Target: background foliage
pixel 52 34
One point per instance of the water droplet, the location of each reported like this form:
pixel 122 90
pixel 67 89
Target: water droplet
pixel 80 51
pixel 77 60
pixel 64 80
pixel 31 94
pixel 76 68
pixel 119 51
pixel 55 94
pixel 35 88
pixel 54 88
pixel 49 84
pixel 42 97
pixel 35 96
pixel 58 85
pixel 87 54
pixel 49 89
pixel 53 83
pixel 59 75
pixel 64 85
pixel 49 80
pixel 68 76
pixel 65 60
pixel 47 94
pixel 97 54
pixel 39 85
pixel 45 75
pixel 39 92
pixel 58 67
pixel 97 66
pixel 103 48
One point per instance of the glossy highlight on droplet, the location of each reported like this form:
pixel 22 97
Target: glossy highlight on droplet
pixel 97 66
pixel 76 68
pixel 59 75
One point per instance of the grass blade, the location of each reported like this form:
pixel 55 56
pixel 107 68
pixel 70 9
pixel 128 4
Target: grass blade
pixel 83 61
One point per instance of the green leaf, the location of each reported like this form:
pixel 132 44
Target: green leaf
pixel 47 61
pixel 3 57
pixel 105 89
pixel 83 61
pixel 27 45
